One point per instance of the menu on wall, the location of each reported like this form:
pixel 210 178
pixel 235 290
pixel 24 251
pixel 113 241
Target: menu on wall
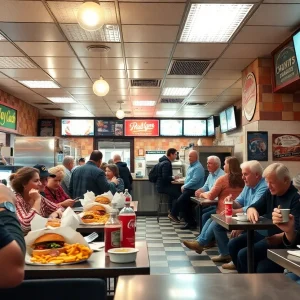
pixel 194 127
pixel 171 127
pixel 109 128
pixel 46 127
pixel 141 127
pixel 77 127
pixel 286 147
pixel 223 121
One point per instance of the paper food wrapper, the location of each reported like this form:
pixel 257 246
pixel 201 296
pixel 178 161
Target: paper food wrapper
pixel 69 219
pixel 119 200
pixel 38 222
pixel 89 197
pixel 90 205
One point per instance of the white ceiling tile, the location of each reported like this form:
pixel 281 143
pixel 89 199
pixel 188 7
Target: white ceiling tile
pixel 217 84
pixel 26 74
pixel 165 106
pixel 201 98
pixel 237 85
pixel 88 98
pixel 151 13
pixel 74 82
pixel 46 48
pixel 52 92
pixel 105 63
pixel 207 92
pixel 183 1
pixel 147 50
pixel 262 34
pixel 81 50
pixel 181 82
pixel 249 50
pixel 144 92
pixel 233 92
pixel 200 51
pixel 223 74
pixel 7 49
pixel 19 90
pixel 149 33
pixel 232 64
pixel 276 14
pixel 23 11
pixel 146 74
pixel 107 73
pixel 58 62
pixel 144 98
pixel 2 76
pixel 89 91
pixel 69 107
pixel 117 83
pixel 116 98
pixel 33 97
pixel 229 98
pixel 9 82
pixel 147 63
pixel 281 1
pixel 66 73
pixel 18 32
pixel 16 63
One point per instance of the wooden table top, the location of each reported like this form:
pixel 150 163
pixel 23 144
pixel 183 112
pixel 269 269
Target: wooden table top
pixel 207 286
pixel 98 266
pixel 232 224
pixel 287 261
pixel 180 182
pixel 203 201
pixel 133 205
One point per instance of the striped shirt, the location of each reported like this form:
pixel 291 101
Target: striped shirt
pixel 25 213
pixel 57 196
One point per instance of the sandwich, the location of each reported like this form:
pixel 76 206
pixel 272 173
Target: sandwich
pixel 49 243
pixel 53 223
pixel 102 199
pixel 96 214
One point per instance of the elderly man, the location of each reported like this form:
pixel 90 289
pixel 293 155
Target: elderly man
pixel 194 179
pixel 68 164
pixel 215 171
pixel 255 187
pixel 124 172
pixel 280 192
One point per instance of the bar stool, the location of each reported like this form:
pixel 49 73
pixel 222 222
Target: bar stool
pixel 162 201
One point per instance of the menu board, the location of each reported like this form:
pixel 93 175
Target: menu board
pixel 171 127
pixel 230 116
pixel 109 128
pixel 194 127
pixel 142 127
pixel 223 121
pixel 210 126
pixel 77 127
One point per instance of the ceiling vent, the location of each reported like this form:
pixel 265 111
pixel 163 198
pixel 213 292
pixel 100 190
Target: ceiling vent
pixel 53 109
pixel 189 67
pixel 145 82
pixel 196 104
pixel 171 100
pixel 42 103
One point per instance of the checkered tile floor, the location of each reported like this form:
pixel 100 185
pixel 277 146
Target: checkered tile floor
pixel 166 253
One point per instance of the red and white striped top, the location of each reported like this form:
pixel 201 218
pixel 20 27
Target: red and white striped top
pixel 25 213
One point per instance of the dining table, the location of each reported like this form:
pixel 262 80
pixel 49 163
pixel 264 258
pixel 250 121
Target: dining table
pixel 206 286
pixel 230 223
pixel 285 259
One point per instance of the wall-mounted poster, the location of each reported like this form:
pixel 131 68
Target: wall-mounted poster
pixel 249 96
pixel 46 127
pixel 286 147
pixel 109 128
pixel 257 145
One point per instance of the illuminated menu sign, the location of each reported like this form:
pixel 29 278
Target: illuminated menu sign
pixel 171 127
pixel 109 128
pixel 194 127
pixel 141 128
pixel 77 127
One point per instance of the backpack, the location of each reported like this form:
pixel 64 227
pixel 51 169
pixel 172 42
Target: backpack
pixel 153 174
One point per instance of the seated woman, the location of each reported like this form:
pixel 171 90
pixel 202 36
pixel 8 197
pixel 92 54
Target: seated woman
pixel 113 171
pixel 29 202
pixel 229 184
pixel 54 191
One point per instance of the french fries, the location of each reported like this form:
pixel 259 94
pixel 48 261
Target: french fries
pixel 73 253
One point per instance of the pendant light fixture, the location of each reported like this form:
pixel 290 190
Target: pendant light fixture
pixel 90 16
pixel 120 114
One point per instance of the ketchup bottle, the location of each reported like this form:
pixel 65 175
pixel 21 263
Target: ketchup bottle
pixel 128 197
pixel 112 232
pixel 127 218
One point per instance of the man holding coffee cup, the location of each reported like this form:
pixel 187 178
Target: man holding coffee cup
pixel 280 192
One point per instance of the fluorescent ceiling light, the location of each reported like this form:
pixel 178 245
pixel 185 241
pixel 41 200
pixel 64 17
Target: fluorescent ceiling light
pixel 62 99
pixel 173 91
pixel 81 113
pixel 39 84
pixel 143 103
pixel 2 38
pixel 213 23
pixel 166 112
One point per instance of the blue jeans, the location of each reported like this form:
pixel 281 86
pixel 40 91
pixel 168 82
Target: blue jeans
pixel 207 233
pixel 293 277
pixel 221 239
pixel 207 212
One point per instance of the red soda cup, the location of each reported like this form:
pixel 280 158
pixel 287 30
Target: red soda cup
pixel 228 208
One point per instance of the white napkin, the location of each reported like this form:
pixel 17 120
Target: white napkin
pixel 69 218
pixel 38 222
pixel 119 200
pixel 88 198
pixel 293 252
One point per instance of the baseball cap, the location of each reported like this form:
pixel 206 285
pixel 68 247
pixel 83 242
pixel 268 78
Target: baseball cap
pixel 43 171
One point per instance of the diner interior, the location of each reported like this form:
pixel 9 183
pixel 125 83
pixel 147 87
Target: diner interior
pixel 132 79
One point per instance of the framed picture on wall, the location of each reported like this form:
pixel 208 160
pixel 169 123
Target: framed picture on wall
pixel 257 145
pixel 286 147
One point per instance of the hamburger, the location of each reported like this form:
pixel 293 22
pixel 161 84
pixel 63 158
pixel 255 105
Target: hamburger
pixel 53 223
pixel 102 199
pixel 92 215
pixel 49 243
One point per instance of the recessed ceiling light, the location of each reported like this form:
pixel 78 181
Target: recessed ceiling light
pixel 143 103
pixel 62 99
pixel 213 23
pixel 173 91
pixel 42 84
pixel 166 112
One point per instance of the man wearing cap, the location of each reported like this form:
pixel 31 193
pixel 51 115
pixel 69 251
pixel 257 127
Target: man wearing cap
pixel 44 174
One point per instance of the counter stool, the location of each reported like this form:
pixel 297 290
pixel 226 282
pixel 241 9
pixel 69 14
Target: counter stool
pixel 162 201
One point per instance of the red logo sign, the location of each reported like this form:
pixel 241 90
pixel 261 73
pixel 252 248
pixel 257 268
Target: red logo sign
pixel 141 128
pixel 249 96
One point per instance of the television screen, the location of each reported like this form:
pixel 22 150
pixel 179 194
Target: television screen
pixel 194 127
pixel 223 121
pixel 77 127
pixel 210 126
pixel 171 127
pixel 109 128
pixel 297 47
pixel 230 116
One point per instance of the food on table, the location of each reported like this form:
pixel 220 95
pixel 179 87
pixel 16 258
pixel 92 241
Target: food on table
pixel 96 214
pixel 53 223
pixel 122 250
pixel 49 243
pixel 102 199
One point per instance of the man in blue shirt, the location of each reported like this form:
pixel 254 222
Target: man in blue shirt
pixel 255 186
pixel 194 179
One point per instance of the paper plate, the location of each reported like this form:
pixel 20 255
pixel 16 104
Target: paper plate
pixel 293 252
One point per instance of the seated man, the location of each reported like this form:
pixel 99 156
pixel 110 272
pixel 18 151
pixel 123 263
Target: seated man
pixel 255 186
pixel 280 192
pixel 215 171
pixel 194 179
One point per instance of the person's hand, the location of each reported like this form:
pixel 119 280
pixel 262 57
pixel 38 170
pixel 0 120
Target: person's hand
pixel 115 180
pixel 67 203
pixel 56 215
pixel 182 188
pixel 35 195
pixel 176 177
pixel 235 233
pixel 277 219
pixel 203 195
pixel 252 215
pixel 222 213
pixel 198 193
pixel 274 240
pixel 6 194
pixel 228 198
